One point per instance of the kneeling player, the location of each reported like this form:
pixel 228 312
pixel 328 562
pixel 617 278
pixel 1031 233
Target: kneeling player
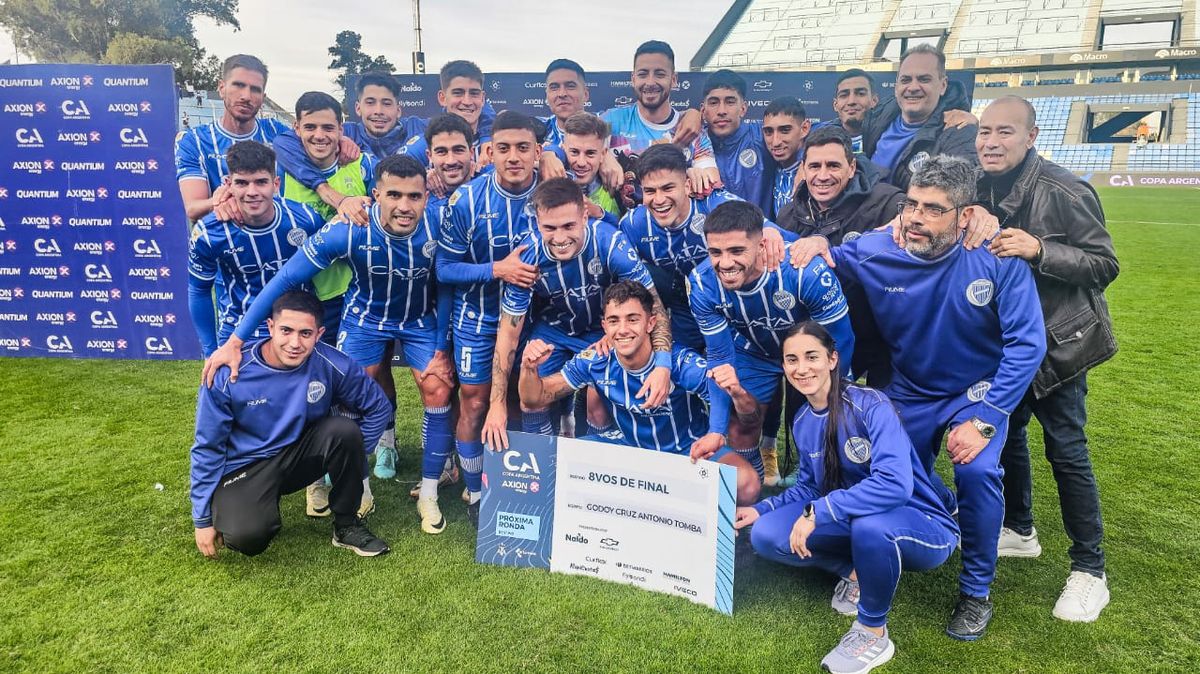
pixel 862 507
pixel 672 427
pixel 272 434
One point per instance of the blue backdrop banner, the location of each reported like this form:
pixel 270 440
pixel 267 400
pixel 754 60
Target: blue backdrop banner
pixel 93 236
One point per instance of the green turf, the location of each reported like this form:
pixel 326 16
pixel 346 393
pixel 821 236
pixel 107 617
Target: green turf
pixel 98 569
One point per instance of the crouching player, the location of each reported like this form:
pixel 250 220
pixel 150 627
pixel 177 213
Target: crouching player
pixel 863 506
pixel 672 427
pixel 392 296
pixel 273 435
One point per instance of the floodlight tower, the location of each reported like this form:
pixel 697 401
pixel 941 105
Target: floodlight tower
pixel 418 56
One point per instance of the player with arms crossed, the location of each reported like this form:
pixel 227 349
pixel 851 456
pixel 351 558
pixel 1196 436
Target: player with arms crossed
pixel 272 434
pixel 576 257
pixel 936 302
pixel 392 298
pixel 673 427
pixel 480 227
pixel 743 311
pixel 863 506
pixel 240 259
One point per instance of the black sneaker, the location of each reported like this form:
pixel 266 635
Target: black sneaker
pixel 970 618
pixel 473 513
pixel 358 537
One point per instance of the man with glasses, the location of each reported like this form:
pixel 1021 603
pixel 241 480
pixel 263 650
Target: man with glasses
pixel 965 333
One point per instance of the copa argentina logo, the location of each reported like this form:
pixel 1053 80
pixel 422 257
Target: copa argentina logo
pixel 159 346
pixel 59 344
pixel 46 248
pixel 528 462
pixel 25 109
pixel 103 319
pixel 75 109
pixel 97 273
pixel 133 136
pixel 145 248
pixel 130 109
pixel 29 138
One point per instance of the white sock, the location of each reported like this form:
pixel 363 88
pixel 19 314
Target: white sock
pixel 474 496
pixel 449 465
pixel 429 487
pixel 367 487
pixel 388 439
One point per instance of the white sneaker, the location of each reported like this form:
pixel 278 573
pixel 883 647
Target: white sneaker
pixel 432 521
pixel 316 499
pixel 1083 598
pixel 1013 544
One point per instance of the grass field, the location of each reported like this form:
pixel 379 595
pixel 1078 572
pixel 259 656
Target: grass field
pixel 99 572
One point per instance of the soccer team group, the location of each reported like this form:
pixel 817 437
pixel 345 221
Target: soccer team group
pixel 656 278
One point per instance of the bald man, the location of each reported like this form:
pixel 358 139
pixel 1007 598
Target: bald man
pixel 1053 220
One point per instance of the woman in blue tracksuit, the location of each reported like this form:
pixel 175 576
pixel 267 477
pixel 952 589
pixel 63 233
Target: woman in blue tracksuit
pixel 862 507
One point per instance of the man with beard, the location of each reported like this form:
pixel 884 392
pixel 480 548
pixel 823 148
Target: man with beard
pixel 746 168
pixel 576 258
pixel 936 303
pixel 393 297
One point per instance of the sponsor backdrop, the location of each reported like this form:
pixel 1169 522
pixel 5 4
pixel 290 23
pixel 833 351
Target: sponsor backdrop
pixel 93 237
pixel 527 91
pixel 656 521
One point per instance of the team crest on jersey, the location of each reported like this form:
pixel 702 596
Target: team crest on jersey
pixel 784 300
pixel 413 140
pixel 316 390
pixel 857 449
pixel 588 354
pixel 296 236
pixel 851 236
pixel 453 200
pixel 197 231
pixel 595 267
pixel 179 136
pixel 748 158
pixel 429 248
pixel 979 292
pixel 698 223
pixel 918 161
pixel 978 391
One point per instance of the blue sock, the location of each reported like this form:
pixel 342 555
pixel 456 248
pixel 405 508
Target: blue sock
pixel 754 457
pixel 592 430
pixel 437 438
pixel 470 457
pixel 537 421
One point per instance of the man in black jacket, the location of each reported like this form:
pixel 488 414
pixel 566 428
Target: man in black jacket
pixel 903 132
pixel 1052 219
pixel 840 198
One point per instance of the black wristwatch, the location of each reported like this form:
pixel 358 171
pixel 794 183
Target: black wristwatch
pixel 809 512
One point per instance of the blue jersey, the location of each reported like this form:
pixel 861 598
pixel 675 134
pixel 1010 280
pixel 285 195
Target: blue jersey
pixel 268 409
pixel 762 312
pixel 675 249
pixel 418 147
pixel 392 283
pixel 200 152
pixel 628 123
pixel 880 467
pixel 966 323
pixel 673 426
pixel 785 187
pixel 480 226
pixel 241 260
pixel 574 288
pixel 554 133
pixel 746 167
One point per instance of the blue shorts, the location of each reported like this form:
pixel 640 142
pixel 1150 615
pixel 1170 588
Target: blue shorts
pixel 759 376
pixel 473 355
pixel 615 437
pixel 566 346
pixel 333 316
pixel 366 344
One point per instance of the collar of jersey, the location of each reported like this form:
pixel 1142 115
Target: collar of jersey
pixel 274 223
pixel 233 136
pixel 377 223
pixel 639 372
pixel 505 193
pixel 587 238
pixel 668 125
pixel 758 285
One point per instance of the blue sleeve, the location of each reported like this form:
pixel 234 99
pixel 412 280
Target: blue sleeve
pixel 368 164
pixel 845 257
pixel 203 313
pixel 718 336
pixel 1024 333
pixel 890 483
pixel 691 371
pixel 456 241
pixel 289 154
pixel 624 262
pixel 515 300
pixel 358 392
pixel 804 491
pixel 214 420
pixel 578 371
pixel 188 157
pixel 822 293
pixel 317 253
pixel 611 218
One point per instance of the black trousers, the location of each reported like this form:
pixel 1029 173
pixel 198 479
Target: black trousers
pixel 245 506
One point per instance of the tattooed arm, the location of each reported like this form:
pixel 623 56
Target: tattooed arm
pixel 495 434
